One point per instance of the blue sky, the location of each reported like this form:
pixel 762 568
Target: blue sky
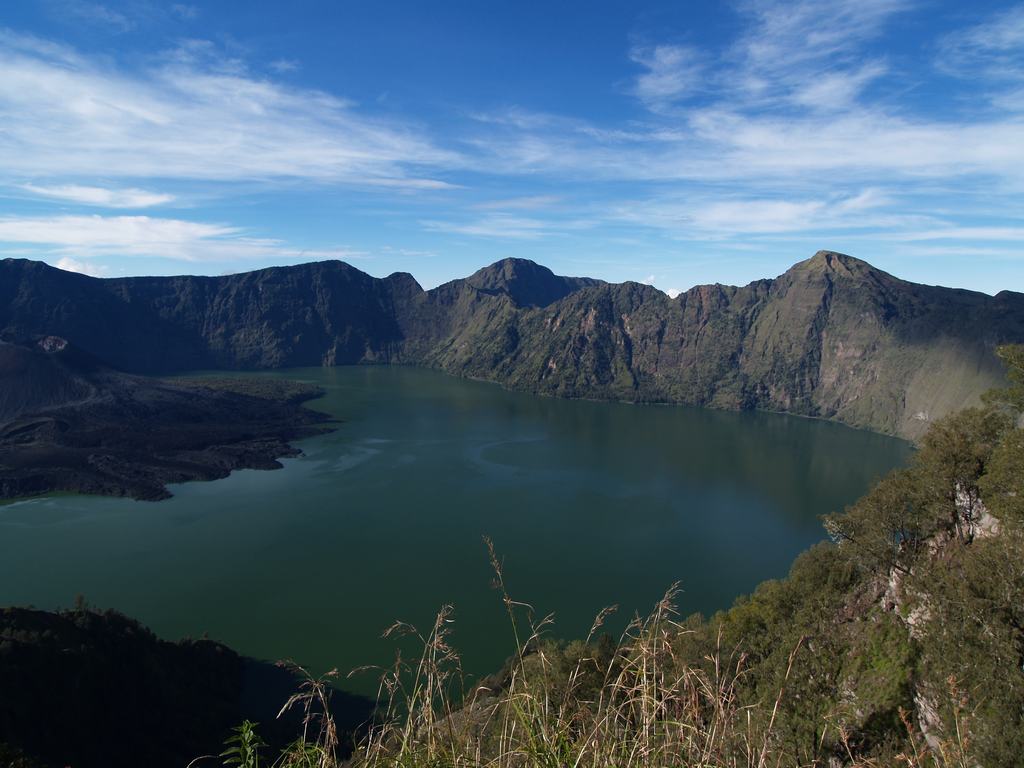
pixel 674 143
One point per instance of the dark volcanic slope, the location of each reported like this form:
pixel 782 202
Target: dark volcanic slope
pixel 68 423
pixel 86 689
pixel 31 380
pixel 832 337
pixel 98 690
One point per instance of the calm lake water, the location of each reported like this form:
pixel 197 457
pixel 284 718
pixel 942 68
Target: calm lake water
pixel 590 504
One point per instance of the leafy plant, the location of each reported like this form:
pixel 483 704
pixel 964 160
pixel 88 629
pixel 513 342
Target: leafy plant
pixel 243 746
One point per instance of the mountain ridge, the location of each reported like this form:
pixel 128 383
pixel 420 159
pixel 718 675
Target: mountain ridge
pixel 832 337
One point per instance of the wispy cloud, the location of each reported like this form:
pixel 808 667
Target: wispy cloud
pixel 496 226
pixel 786 111
pixel 190 115
pixel 993 48
pixel 82 267
pixel 673 71
pixel 82 237
pixel 184 11
pixel 101 196
pixel 525 203
pixel 969 234
pixel 807 54
pixel 812 119
pixel 96 14
pixel 783 33
pixel 502 226
pixel 282 66
pixel 740 217
pixel 721 142
pixel 836 90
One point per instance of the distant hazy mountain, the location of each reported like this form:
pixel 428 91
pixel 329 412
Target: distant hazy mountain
pixel 832 337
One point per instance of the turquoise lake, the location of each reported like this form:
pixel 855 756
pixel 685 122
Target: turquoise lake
pixel 590 504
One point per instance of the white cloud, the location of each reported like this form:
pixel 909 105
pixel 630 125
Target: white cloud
pixel 130 235
pixel 82 267
pixel 97 14
pixel 185 12
pixel 835 90
pixel 78 237
pixel 783 108
pixel 109 198
pixel 282 66
pixel 673 293
pixel 757 215
pixel 673 71
pixel 733 217
pixel 496 226
pixel 786 131
pixel 787 35
pixel 993 48
pixel 528 203
pixel 720 143
pixel 502 225
pixel 1012 234
pixel 805 53
pixel 190 116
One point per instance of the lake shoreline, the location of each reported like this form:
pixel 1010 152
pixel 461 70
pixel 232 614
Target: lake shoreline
pixel 382 519
pixel 135 441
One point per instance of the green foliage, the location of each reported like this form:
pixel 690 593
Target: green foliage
pixel 971 631
pixel 953 458
pixel 1003 484
pixel 1012 396
pixel 302 754
pixel 939 494
pixel 243 746
pixel 12 757
pixel 888 527
pixel 878 671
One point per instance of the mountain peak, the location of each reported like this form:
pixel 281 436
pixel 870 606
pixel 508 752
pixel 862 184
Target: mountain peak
pixel 511 268
pixel 527 283
pixel 833 262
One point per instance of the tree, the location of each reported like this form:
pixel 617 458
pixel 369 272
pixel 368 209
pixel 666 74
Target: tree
pixel 1012 396
pixel 953 458
pixel 886 528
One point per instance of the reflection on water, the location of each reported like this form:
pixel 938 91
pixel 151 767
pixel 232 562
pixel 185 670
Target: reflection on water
pixel 589 503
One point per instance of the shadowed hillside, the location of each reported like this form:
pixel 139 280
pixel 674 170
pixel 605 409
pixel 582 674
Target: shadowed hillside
pixel 98 690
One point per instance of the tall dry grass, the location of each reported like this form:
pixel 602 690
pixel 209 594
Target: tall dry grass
pixel 645 712
pixel 639 707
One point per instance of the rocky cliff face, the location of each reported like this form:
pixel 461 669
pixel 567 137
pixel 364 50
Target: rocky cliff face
pixel 832 337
